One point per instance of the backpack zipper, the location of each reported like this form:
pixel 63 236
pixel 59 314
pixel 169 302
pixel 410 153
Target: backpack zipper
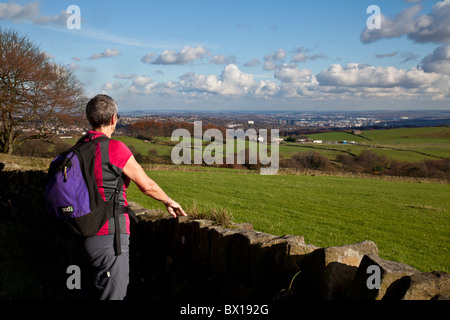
pixel 65 173
pixel 67 164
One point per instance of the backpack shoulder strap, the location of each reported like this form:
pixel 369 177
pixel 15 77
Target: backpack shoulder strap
pixel 85 149
pixel 116 210
pixel 90 138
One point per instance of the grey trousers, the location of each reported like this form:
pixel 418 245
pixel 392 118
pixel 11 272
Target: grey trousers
pixel 104 276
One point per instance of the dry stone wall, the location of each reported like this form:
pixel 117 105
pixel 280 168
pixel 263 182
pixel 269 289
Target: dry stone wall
pixel 251 264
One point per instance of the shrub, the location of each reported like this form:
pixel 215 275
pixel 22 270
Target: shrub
pixel 366 162
pixel 309 160
pixel 137 155
pixel 40 149
pixel 290 139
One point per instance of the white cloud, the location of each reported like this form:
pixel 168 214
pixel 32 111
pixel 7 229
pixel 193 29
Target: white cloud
pixel 359 81
pixel 221 59
pixel 266 89
pixel 269 65
pixel 112 86
pixel 124 76
pixel 367 82
pixel 170 88
pixel 295 82
pixel 426 28
pixel 145 86
pixel 386 55
pixel 318 56
pixel 408 56
pixel 270 61
pixel 48 55
pixel 14 11
pixel 108 53
pixel 253 62
pixel 18 13
pixel 274 61
pixel 291 73
pixel 141 81
pixel 146 90
pixel 231 82
pixel 360 75
pixel 72 67
pixel 301 56
pixel 392 28
pixel 340 83
pixel 278 55
pixel 142 85
pixel 184 56
pixel 438 61
pixel 149 57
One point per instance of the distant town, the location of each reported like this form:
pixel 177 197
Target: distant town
pixel 287 122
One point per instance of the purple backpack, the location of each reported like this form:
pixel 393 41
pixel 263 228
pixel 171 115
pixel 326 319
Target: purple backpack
pixel 71 195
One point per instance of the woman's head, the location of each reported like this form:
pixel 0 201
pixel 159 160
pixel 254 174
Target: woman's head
pixel 100 110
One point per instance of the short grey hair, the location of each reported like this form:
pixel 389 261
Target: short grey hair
pixel 100 109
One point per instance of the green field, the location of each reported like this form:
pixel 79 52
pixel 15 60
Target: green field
pixel 408 221
pixel 405 144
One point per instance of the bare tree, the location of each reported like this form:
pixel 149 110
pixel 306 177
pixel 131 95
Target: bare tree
pixel 35 93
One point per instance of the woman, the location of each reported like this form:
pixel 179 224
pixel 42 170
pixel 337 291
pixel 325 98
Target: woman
pixel 99 258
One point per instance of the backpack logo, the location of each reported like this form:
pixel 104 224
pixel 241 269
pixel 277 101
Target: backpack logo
pixel 67 210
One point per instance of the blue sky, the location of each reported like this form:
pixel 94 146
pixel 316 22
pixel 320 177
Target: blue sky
pixel 248 54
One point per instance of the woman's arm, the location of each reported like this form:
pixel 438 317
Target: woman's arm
pixel 136 173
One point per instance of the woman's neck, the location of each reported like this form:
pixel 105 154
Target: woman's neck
pixel 107 131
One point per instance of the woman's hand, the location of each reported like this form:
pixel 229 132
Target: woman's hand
pixel 174 208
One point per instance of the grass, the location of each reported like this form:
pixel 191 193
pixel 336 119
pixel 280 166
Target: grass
pixel 24 163
pixel 410 154
pixel 408 221
pixel 144 147
pixel 403 144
